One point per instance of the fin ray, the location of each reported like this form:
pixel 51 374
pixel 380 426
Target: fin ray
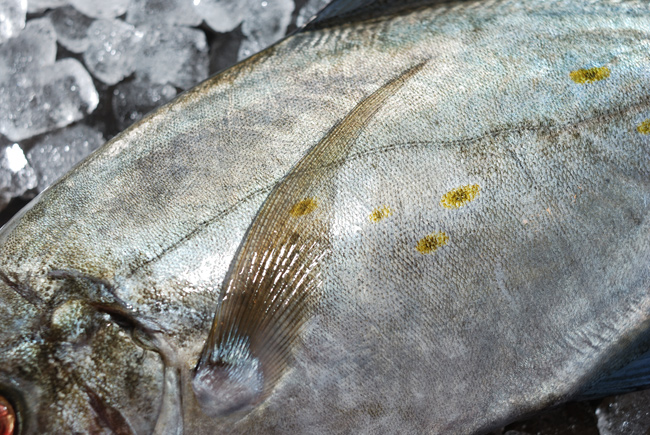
pixel 632 377
pixel 275 279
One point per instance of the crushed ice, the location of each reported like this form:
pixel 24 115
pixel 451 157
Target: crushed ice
pixel 46 98
pixel 132 100
pixel 71 28
pixel 139 53
pixel 16 176
pixel 56 153
pixel 12 18
pixel 33 48
pixel 112 49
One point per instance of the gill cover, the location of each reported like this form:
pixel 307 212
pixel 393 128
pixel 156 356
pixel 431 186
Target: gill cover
pixel 275 279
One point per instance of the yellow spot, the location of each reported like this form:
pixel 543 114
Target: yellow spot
pixel 459 196
pixel 303 207
pixel 589 75
pixel 380 213
pixel 432 242
pixel 644 127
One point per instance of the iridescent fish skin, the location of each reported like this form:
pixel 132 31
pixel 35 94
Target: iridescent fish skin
pixel 506 268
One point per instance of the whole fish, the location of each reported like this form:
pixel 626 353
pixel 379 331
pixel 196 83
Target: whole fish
pixel 427 218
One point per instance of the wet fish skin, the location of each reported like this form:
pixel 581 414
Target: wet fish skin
pixel 450 310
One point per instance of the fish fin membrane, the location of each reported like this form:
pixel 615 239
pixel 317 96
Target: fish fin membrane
pixel 632 377
pixel 345 11
pixel 276 278
pixel 226 387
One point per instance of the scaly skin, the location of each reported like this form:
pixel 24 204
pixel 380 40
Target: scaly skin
pixel 489 247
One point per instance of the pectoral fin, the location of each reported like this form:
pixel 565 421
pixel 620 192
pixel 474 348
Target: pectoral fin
pixel 276 277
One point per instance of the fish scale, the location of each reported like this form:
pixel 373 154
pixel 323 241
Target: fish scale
pixel 505 269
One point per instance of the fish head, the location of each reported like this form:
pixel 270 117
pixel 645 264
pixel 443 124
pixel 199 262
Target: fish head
pixel 73 364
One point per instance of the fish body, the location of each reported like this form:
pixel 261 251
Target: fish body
pixel 452 199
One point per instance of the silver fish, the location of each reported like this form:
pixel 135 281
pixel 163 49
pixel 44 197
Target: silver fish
pixel 424 221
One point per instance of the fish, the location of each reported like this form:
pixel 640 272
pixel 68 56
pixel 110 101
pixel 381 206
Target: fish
pixel 413 217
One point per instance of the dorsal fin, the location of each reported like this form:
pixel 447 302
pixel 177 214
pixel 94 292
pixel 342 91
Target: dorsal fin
pixel 345 11
pixel 275 278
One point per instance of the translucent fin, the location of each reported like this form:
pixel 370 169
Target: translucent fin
pixel 632 377
pixel 275 278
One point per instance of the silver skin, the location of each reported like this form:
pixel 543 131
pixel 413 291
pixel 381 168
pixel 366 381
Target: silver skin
pixel 111 278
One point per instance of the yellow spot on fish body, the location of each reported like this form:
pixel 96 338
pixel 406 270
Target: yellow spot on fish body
pixel 644 127
pixel 430 243
pixel 303 207
pixel 380 213
pixel 460 196
pixel 274 281
pixel 589 75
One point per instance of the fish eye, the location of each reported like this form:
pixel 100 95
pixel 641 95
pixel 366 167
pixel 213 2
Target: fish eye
pixel 7 417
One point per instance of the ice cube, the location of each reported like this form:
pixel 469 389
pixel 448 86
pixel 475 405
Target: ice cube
pixel 175 55
pixel 133 100
pixel 16 175
pixel 172 12
pixel 267 22
pixel 106 9
pixel 112 50
pixel 624 414
pixel 34 6
pixel 71 28
pixel 45 99
pixel 309 10
pixel 56 153
pixel 33 48
pixel 12 18
pixel 222 15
